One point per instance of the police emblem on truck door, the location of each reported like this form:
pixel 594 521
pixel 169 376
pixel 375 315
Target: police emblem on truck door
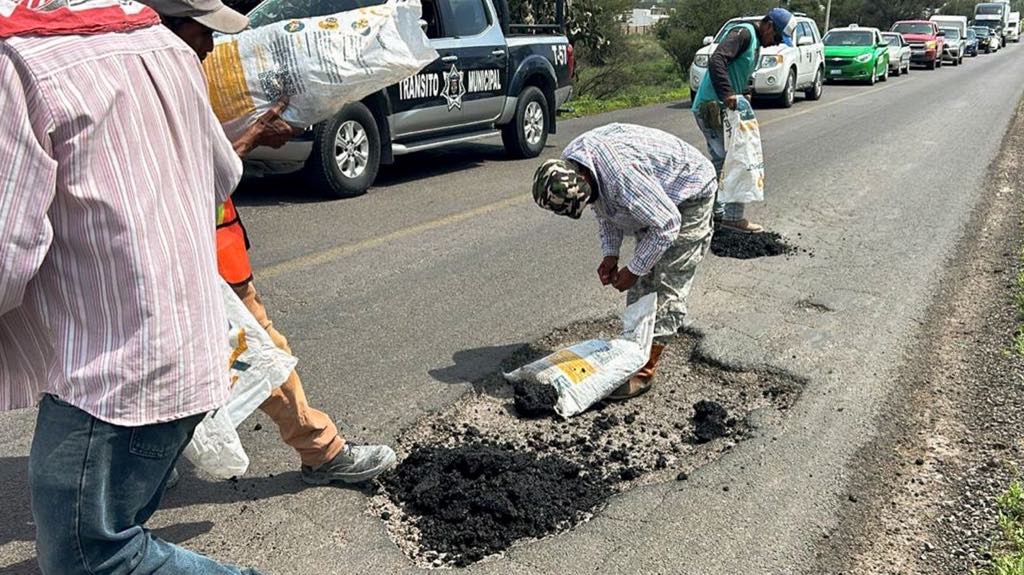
pixel 454 88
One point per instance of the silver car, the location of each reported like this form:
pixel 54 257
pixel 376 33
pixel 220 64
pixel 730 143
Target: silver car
pixel 899 53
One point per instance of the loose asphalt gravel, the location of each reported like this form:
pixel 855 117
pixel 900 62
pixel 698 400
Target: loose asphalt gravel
pixel 403 303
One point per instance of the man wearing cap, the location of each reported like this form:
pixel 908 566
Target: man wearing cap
pixel 728 77
pixel 325 455
pixel 649 184
pixel 111 317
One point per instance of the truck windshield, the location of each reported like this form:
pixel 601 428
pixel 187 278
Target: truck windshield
pixel 271 11
pixel 989 9
pixel 849 38
pixel 982 31
pixel 952 33
pixel 910 28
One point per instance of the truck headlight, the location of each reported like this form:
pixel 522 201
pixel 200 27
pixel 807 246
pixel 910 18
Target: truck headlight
pixel 930 44
pixel 863 58
pixel 771 61
pixel 700 60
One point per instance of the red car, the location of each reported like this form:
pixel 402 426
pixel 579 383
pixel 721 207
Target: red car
pixel 927 42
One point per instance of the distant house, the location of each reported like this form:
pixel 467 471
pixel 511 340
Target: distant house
pixel 642 20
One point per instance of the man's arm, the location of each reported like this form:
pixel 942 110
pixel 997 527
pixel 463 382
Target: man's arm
pixel 647 202
pixel 28 176
pixel 611 238
pixel 736 42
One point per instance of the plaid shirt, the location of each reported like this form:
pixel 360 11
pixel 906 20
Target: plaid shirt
pixel 642 176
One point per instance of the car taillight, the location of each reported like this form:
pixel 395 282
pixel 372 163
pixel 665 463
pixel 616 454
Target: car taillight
pixel 572 60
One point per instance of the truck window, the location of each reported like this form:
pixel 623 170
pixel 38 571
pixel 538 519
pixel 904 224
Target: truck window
pixel 430 16
pixel 469 18
pixel 804 29
pixel 271 11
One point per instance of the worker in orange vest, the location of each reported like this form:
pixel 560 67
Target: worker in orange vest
pixel 326 456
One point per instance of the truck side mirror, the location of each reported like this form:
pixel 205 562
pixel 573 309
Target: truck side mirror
pixel 708 40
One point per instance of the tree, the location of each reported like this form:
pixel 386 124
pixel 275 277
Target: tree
pixel 681 34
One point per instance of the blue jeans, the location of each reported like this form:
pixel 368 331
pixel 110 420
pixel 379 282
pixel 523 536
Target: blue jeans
pixel 714 134
pixel 93 487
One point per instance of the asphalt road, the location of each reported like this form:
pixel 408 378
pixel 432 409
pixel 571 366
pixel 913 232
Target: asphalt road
pixel 393 301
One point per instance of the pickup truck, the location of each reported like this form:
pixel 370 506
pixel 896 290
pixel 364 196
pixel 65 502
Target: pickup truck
pixel 492 78
pixel 927 42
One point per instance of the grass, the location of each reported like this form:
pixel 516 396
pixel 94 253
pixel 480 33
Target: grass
pixel 642 74
pixel 1008 551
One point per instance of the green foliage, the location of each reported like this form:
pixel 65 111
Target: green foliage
pixel 681 34
pixel 1008 551
pixel 592 25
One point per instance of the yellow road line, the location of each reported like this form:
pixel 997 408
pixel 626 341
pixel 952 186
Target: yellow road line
pixel 328 255
pixel 331 254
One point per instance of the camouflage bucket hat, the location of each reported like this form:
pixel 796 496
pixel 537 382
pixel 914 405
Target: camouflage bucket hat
pixel 558 187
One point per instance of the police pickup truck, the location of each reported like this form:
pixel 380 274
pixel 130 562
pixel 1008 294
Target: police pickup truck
pixel 491 78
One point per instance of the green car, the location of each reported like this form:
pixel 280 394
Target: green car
pixel 856 53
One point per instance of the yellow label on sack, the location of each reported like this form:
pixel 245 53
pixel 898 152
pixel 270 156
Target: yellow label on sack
pixel 229 92
pixel 573 366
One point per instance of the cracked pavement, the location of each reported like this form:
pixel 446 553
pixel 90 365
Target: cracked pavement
pixel 879 186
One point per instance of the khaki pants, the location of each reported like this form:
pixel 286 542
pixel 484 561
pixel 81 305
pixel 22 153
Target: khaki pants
pixel 308 431
pixel 672 277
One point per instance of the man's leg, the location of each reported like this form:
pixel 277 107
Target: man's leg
pixel 308 431
pixel 672 277
pixel 94 485
pixel 709 121
pixel 326 456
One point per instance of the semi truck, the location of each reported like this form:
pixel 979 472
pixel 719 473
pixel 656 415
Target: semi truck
pixel 995 16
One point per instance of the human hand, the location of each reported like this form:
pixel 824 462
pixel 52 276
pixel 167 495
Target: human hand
pixel 608 270
pixel 732 101
pixel 272 130
pixel 624 280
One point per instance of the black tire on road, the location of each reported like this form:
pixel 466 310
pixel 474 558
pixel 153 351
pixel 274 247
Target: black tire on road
pixel 814 92
pixel 527 134
pixel 789 93
pixel 932 65
pixel 346 153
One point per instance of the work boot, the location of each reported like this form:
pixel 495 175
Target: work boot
pixel 642 382
pixel 741 226
pixel 355 464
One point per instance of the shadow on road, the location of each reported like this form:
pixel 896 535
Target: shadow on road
pixel 183 532
pixel 472 365
pixel 196 490
pixel 26 567
pixel 15 507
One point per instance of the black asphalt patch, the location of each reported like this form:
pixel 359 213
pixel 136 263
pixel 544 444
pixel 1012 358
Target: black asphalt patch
pixel 737 245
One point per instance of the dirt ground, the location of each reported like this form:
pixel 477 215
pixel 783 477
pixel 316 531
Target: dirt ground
pixel 927 486
pixel 480 451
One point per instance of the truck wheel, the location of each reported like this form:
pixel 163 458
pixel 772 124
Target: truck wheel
pixel 346 153
pixel 814 92
pixel 789 92
pixel 931 65
pixel 527 134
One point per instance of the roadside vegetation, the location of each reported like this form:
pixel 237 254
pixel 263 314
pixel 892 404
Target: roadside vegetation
pixel 1008 550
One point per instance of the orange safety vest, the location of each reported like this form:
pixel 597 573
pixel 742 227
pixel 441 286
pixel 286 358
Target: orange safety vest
pixel 232 246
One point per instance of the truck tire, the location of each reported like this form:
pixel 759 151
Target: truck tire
pixel 789 92
pixel 932 65
pixel 527 134
pixel 346 153
pixel 814 92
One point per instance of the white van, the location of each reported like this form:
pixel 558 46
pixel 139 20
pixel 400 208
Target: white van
pixel 1013 28
pixel 959 22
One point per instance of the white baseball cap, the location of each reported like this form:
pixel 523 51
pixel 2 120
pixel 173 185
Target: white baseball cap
pixel 210 13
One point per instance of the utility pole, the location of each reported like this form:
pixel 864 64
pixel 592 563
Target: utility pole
pixel 828 15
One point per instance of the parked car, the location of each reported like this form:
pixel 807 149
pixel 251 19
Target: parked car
pixel 899 53
pixel 926 41
pixel 855 53
pixel 948 21
pixel 782 70
pixel 492 78
pixel 971 43
pixel 955 46
pixel 987 42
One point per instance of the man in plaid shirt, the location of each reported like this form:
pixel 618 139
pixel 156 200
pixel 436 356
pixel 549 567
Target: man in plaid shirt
pixel 650 184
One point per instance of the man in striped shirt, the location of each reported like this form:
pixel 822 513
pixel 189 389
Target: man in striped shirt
pixel 110 309
pixel 650 184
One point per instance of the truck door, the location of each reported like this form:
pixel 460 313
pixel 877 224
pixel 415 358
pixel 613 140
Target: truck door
pixel 466 85
pixel 807 67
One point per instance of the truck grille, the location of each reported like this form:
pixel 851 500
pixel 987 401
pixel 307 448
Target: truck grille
pixel 917 45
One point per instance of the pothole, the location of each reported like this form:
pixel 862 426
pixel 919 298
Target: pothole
pixel 481 477
pixel 729 244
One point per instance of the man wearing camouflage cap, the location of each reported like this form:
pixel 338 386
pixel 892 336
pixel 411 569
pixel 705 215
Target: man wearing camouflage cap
pixel 650 184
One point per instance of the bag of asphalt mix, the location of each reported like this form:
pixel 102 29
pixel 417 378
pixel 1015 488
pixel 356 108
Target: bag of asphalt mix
pixel 743 171
pixel 586 373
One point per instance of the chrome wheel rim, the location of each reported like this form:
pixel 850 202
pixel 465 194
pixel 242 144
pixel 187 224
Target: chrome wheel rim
pixel 533 123
pixel 351 149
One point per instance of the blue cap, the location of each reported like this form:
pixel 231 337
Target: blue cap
pixel 784 23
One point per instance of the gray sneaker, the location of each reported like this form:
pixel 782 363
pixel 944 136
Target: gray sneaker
pixel 355 464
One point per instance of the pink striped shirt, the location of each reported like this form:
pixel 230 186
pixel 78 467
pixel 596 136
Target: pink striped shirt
pixel 111 166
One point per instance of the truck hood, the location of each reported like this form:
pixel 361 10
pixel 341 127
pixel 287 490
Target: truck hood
pixel 847 51
pixel 919 37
